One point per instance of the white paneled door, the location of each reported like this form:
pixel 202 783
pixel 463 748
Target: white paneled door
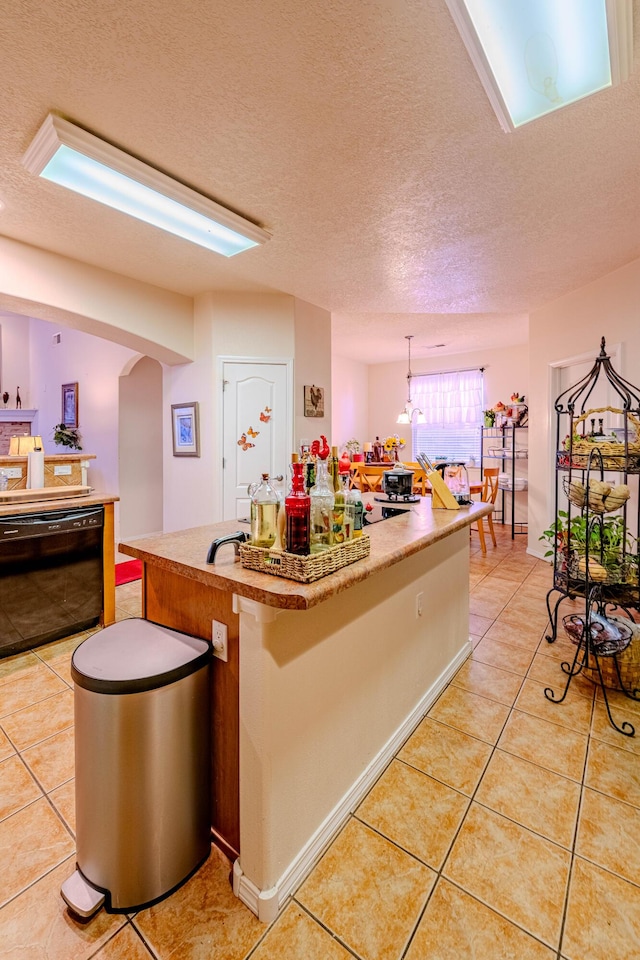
pixel 257 432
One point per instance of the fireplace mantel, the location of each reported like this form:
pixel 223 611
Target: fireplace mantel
pixel 11 415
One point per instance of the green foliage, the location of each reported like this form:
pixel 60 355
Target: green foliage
pixel 605 538
pixel 66 436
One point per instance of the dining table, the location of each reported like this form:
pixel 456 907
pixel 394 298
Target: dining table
pixel 368 478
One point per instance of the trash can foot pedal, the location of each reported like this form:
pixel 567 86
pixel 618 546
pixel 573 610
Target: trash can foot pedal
pixel 80 896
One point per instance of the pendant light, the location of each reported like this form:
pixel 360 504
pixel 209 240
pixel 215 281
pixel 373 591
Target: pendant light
pixel 409 410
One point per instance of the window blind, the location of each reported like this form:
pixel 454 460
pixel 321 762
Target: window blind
pixel 452 404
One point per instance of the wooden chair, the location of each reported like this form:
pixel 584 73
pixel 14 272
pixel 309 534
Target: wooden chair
pixel 489 494
pixel 368 477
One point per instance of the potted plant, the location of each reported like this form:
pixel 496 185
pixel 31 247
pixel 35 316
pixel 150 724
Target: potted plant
pixel 65 436
pixel 608 543
pixel 489 418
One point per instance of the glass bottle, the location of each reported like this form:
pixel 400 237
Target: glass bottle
pixel 355 497
pixel 322 503
pixel 343 512
pixel 297 509
pixel 377 451
pixel 334 468
pixel 265 504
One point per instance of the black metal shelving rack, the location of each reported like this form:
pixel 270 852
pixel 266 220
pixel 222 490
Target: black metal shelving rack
pixel 506 435
pixel 584 564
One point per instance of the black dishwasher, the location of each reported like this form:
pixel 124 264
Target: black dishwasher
pixel 51 576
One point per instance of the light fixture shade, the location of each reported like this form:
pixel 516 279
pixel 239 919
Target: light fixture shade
pixel 76 159
pixel 404 417
pixel 533 58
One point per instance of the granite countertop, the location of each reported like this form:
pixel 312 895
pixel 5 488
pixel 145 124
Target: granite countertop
pixel 184 552
pixel 60 503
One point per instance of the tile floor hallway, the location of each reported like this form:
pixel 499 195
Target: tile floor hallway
pixel 505 827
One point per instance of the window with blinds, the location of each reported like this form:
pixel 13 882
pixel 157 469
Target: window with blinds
pixel 452 404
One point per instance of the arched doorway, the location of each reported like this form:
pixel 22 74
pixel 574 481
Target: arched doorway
pixel 140 470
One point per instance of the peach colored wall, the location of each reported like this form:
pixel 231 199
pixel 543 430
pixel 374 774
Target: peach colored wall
pixel 14 359
pixel 47 286
pixel 312 368
pixel 506 370
pixel 225 324
pixel 570 326
pixel 350 392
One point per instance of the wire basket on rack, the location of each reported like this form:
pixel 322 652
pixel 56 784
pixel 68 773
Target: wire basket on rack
pixel 610 450
pixel 600 496
pixel 623 654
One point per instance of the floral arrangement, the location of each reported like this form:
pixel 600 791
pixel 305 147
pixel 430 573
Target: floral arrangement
pixel 394 443
pixel 489 417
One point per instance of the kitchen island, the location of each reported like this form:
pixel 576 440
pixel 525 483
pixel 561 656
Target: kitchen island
pixel 323 683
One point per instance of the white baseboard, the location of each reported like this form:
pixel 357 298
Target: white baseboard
pixel 266 904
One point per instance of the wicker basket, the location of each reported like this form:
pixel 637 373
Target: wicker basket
pixel 305 569
pixel 612 451
pixel 628 659
pixel 628 664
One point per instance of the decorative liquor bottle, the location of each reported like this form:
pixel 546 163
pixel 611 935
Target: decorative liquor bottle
pixel 322 504
pixel 264 512
pixel 297 509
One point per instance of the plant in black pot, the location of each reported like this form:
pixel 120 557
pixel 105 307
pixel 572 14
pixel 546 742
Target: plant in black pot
pixel 65 436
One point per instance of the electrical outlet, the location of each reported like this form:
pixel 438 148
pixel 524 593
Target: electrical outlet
pixel 219 639
pixel 13 473
pixel 419 599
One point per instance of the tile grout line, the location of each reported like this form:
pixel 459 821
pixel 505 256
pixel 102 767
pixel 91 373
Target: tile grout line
pixel 565 909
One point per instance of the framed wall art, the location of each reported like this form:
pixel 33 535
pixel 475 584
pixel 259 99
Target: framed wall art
pixel 314 401
pixel 70 404
pixel 186 431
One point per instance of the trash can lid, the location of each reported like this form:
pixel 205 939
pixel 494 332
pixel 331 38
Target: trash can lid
pixel 135 655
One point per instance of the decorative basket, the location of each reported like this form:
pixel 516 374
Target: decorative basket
pixel 628 663
pixel 580 496
pixel 628 657
pixel 613 452
pixel 305 569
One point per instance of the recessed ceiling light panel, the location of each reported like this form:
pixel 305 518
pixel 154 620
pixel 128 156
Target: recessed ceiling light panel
pixel 535 56
pixel 76 159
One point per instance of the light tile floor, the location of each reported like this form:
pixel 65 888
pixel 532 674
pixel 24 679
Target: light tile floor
pixel 506 826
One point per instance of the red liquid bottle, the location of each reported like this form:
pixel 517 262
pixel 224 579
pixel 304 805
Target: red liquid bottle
pixel 298 509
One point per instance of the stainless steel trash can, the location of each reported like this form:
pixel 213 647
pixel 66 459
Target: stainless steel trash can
pixel 143 761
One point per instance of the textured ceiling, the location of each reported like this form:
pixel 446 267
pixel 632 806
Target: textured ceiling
pixel 356 133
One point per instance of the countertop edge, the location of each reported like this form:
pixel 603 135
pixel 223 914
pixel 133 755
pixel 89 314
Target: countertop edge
pixel 174 552
pixel 59 503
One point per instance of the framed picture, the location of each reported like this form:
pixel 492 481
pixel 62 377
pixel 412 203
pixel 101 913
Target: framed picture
pixel 186 434
pixel 70 404
pixel 314 401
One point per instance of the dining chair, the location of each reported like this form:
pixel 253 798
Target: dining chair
pixel 489 494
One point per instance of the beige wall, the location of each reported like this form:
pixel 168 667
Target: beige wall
pixel 567 327
pixel 14 360
pixel 47 286
pixel 312 368
pixel 235 325
pixel 140 454
pixel 350 392
pixel 506 370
